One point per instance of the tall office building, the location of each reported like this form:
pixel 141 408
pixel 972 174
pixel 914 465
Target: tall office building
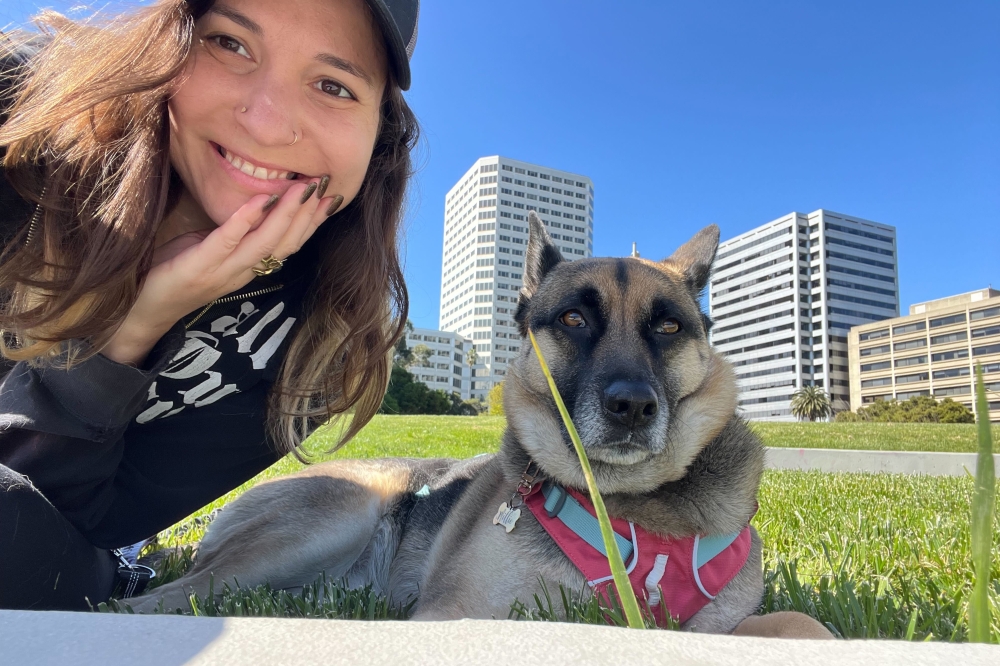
pixel 784 296
pixel 485 236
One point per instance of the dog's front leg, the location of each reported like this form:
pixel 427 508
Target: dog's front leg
pixel 783 624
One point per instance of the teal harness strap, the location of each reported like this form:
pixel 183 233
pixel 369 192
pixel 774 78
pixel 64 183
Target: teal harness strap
pixel 560 504
pixel 710 546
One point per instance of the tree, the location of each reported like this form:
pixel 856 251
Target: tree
pixel 918 409
pixel 402 357
pixel 461 407
pixel 408 396
pixel 950 411
pixel 471 358
pixel 420 355
pixel 495 400
pixel 811 402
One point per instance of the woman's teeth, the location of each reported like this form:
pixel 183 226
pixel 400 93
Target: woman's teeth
pixel 254 170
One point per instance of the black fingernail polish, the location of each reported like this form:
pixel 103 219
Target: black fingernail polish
pixel 324 183
pixel 308 193
pixel 334 205
pixel 270 203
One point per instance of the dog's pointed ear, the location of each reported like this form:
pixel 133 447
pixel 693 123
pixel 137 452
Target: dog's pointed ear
pixel 542 255
pixel 694 258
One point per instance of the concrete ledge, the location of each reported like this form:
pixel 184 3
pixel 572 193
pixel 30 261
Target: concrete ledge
pixel 57 639
pixel 892 462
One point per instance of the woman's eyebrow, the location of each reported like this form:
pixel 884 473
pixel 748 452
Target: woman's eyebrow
pixel 325 58
pixel 347 66
pixel 238 18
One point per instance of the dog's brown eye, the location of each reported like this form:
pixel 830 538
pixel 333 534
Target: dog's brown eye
pixel 668 327
pixel 573 319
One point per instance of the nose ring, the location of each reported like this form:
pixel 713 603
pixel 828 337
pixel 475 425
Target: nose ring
pixel 243 110
pixel 296 139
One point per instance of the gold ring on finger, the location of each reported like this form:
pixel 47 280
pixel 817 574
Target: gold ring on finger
pixel 269 264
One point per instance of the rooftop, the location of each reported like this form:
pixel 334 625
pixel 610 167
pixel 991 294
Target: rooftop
pixel 952 301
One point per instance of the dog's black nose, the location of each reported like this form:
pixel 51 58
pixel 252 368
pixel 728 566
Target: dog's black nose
pixel 631 403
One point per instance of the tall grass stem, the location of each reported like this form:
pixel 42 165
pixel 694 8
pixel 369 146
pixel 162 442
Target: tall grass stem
pixel 983 502
pixel 625 591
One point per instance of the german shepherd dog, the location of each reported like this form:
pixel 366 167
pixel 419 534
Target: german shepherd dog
pixel 655 408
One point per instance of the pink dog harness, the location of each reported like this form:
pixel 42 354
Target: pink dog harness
pixel 688 571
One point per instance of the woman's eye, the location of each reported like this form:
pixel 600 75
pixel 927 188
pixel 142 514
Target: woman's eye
pixel 573 319
pixel 334 89
pixel 227 43
pixel 668 327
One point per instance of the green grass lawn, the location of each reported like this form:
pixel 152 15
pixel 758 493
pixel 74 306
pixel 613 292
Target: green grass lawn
pixel 866 554
pixel 940 437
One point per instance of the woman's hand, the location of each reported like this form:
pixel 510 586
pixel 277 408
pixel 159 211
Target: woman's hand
pixel 196 268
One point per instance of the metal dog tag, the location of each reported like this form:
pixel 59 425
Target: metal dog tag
pixel 506 516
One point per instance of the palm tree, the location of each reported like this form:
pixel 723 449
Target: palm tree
pixel 471 358
pixel 811 402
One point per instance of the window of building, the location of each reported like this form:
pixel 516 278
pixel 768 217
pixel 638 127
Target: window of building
pixel 983 314
pixel 950 355
pixel 964 371
pixel 950 319
pixel 861 260
pixel 518 170
pixel 507 168
pixel 910 344
pixel 909 328
pixel 910 379
pixel 949 337
pixel 864 274
pixel 988 349
pixel 986 332
pixel 881 381
pixel 906 395
pixel 874 335
pixel 857 232
pixel 881 365
pixel 859 246
pixel 873 398
pixel 913 360
pixel 953 390
pixel 874 351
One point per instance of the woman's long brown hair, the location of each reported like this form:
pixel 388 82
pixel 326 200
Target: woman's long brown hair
pixel 87 140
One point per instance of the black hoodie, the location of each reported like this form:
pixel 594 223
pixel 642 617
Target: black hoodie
pixel 124 452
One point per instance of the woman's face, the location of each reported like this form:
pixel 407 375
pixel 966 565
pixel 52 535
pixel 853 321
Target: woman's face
pixel 311 69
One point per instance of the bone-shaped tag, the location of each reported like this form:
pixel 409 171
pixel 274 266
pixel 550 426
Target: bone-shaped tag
pixel 506 516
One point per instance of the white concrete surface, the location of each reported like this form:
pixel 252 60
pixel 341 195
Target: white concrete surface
pixel 892 462
pixel 85 639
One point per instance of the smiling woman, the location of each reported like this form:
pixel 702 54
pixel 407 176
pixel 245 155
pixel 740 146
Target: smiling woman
pixel 159 169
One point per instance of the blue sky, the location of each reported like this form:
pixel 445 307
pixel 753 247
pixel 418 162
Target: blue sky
pixel 736 113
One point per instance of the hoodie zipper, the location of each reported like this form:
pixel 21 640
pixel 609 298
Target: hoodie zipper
pixel 33 224
pixel 230 299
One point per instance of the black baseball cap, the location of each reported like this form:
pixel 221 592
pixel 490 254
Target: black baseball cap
pixel 397 20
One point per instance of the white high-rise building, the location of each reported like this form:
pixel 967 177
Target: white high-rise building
pixel 784 296
pixel 485 237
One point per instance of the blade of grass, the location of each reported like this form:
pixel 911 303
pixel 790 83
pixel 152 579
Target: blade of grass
pixel 983 499
pixel 625 591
